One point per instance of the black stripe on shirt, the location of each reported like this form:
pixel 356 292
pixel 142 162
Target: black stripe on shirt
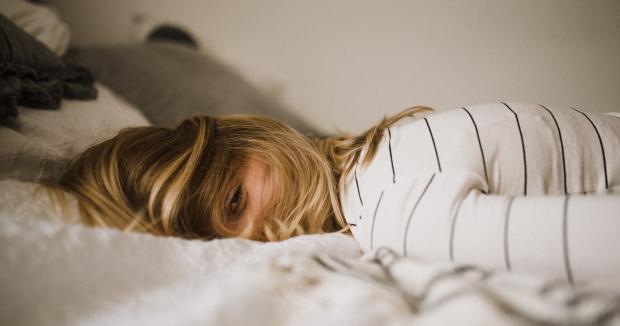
pixel 600 140
pixel 391 157
pixel 557 126
pixel 357 185
pixel 452 231
pixel 374 216
pixel 567 265
pixel 434 145
pixel 415 206
pixel 484 162
pixel 522 149
pixel 506 226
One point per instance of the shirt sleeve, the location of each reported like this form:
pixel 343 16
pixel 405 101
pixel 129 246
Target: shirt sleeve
pixel 446 217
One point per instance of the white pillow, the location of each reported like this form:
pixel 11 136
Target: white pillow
pixel 37 144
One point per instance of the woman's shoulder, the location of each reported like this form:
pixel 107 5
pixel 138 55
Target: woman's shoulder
pixel 499 117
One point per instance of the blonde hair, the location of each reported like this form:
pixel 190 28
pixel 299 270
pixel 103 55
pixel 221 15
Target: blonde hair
pixel 176 182
pixel 344 151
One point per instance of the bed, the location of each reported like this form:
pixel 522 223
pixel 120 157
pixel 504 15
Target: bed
pixel 55 271
pixel 59 273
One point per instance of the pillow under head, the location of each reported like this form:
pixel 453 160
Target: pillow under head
pixel 37 145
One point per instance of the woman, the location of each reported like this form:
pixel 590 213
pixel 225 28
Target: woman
pixel 209 178
pixel 513 186
pixel 257 178
pixel 230 176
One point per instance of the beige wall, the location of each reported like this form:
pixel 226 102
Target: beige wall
pixel 344 64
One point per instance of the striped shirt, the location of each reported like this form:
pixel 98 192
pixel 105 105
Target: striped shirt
pixel 516 186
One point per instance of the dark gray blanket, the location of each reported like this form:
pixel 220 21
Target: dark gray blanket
pixel 31 75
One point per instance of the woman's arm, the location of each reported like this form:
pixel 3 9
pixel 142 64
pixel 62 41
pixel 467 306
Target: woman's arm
pixel 445 216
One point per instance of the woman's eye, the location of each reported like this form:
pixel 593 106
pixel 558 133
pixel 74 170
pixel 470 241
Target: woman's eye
pixel 235 203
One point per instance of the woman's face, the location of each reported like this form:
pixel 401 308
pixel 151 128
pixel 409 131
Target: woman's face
pixel 250 200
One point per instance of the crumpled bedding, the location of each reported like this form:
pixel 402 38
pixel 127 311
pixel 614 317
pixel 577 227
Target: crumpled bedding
pixel 58 273
pixel 31 75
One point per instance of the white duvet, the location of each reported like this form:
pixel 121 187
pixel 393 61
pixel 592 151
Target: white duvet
pixel 55 273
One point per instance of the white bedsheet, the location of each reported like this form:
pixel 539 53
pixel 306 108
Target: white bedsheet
pixel 54 273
